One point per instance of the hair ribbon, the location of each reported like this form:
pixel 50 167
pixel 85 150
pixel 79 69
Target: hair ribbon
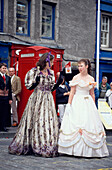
pixel 48 58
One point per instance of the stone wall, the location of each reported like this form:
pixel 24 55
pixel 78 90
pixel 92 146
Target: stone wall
pixel 75 26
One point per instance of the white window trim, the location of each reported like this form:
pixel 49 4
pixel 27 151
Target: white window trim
pixel 56 36
pixel 50 25
pixel 17 33
pixel 108 30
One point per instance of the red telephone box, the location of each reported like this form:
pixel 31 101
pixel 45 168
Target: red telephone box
pixel 14 57
pixel 28 58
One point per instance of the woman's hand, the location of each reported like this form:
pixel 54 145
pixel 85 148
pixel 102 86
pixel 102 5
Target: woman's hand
pixel 66 93
pixel 10 101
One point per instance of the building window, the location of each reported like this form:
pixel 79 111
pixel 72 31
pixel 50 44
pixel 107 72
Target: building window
pixel 1 15
pixel 48 20
pixel 23 17
pixel 105 31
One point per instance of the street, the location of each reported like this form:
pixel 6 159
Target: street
pixel 63 162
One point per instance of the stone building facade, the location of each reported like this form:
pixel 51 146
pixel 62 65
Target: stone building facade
pixel 73 29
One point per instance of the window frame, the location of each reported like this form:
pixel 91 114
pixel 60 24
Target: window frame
pixel 53 5
pixel 2 10
pixel 28 22
pixel 108 31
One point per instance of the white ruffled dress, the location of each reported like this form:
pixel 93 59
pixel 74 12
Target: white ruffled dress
pixel 82 132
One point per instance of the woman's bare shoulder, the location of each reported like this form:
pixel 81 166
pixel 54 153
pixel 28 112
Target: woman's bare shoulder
pixel 91 78
pixel 75 77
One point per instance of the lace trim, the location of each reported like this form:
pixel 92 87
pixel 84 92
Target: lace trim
pixel 79 137
pixel 61 131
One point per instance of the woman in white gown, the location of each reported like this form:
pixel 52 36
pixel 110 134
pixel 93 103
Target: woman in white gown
pixel 82 132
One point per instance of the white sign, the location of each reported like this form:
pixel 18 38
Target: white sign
pixel 27 55
pixel 40 55
pixel 58 56
pixel 17 52
pixel 68 68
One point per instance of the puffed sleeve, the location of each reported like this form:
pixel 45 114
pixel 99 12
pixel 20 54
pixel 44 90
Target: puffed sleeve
pixel 52 79
pixel 31 77
pixel 73 83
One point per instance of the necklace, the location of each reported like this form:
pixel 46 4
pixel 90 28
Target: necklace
pixel 45 71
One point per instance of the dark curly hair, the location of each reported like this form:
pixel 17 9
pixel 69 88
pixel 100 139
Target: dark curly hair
pixel 42 61
pixel 86 62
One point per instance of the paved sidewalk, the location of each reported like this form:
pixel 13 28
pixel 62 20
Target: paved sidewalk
pixel 63 162
pixel 10 134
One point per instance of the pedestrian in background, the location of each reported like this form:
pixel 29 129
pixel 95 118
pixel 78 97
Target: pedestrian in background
pixel 103 87
pixel 16 90
pixel 58 76
pixel 5 96
pixel 62 94
pixel 9 114
pixel 109 96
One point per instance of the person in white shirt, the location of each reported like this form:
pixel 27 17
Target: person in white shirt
pixel 109 96
pixel 5 97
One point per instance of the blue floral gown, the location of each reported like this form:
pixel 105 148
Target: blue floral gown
pixel 38 129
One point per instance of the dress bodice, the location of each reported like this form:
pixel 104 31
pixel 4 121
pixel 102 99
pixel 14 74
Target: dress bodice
pixel 46 82
pixel 82 87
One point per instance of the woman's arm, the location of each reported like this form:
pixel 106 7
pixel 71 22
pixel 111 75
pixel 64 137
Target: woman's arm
pixel 91 92
pixel 35 84
pixel 72 92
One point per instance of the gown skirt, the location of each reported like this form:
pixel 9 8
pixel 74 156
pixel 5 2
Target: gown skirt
pixel 82 132
pixel 38 129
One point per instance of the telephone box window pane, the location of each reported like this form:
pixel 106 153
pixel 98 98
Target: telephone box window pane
pixel 47 21
pixel 22 17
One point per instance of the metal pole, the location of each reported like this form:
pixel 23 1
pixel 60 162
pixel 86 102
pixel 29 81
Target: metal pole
pixel 98 44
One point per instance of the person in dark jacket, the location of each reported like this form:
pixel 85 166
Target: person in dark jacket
pixel 62 94
pixel 103 87
pixel 5 96
pixel 59 75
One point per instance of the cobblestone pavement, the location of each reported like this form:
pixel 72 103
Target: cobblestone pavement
pixel 63 162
